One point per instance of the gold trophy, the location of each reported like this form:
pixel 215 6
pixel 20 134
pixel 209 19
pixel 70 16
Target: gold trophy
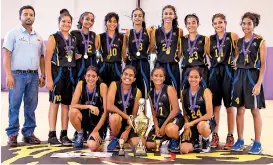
pixel 121 150
pixel 140 125
pixel 157 147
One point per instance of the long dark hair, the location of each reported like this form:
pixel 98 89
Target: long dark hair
pixel 79 26
pixel 108 17
pixel 175 20
pixel 143 13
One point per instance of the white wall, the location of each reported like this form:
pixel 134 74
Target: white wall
pixel 47 12
pixel 205 9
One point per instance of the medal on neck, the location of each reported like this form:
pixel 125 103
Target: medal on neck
pixel 246 50
pixel 156 101
pixel 138 41
pixel 68 47
pixel 220 47
pixel 90 102
pixel 125 102
pixel 191 48
pixel 168 40
pixel 193 101
pixel 86 43
pixel 109 45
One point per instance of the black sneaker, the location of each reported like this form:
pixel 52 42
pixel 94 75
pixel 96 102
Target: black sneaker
pixel 65 141
pixel 32 139
pixel 12 141
pixel 197 147
pixel 54 142
pixel 205 145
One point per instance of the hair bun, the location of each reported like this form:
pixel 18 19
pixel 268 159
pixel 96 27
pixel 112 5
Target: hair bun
pixel 63 11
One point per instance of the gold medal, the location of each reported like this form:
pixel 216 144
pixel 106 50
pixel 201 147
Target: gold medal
pixel 190 60
pixel 168 51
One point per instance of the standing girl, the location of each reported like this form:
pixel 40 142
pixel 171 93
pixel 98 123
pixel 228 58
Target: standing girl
pixel 60 70
pixel 248 89
pixel 167 41
pixel 113 49
pixel 138 47
pixel 221 50
pixel 86 54
pixel 193 51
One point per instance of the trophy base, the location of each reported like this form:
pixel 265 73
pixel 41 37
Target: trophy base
pixel 121 153
pixel 139 149
pixel 140 152
pixel 157 153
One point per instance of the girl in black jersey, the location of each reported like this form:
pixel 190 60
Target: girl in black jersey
pixel 198 113
pixel 168 46
pixel 248 88
pixel 193 50
pixel 86 54
pixel 112 48
pixel 60 69
pixel 122 101
pixel 88 110
pixel 221 50
pixel 167 117
pixel 138 50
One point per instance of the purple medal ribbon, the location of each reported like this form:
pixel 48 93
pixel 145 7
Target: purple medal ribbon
pixel 168 41
pixel 68 47
pixel 193 103
pixel 220 46
pixel 109 45
pixel 93 95
pixel 246 51
pixel 125 103
pixel 138 40
pixel 85 42
pixel 191 48
pixel 156 101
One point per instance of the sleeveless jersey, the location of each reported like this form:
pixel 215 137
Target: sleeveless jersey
pixel 80 42
pixel 143 47
pixel 228 50
pixel 115 53
pixel 118 99
pixel 164 106
pixel 198 57
pixel 98 101
pixel 60 55
pixel 253 60
pixel 200 102
pixel 161 46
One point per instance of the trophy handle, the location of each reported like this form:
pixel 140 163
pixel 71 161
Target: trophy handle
pixel 131 119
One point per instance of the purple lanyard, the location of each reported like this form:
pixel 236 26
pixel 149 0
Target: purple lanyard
pixel 93 95
pixel 220 46
pixel 109 45
pixel 125 103
pixel 68 47
pixel 85 42
pixel 193 103
pixel 156 101
pixel 246 51
pixel 191 48
pixel 138 40
pixel 168 41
